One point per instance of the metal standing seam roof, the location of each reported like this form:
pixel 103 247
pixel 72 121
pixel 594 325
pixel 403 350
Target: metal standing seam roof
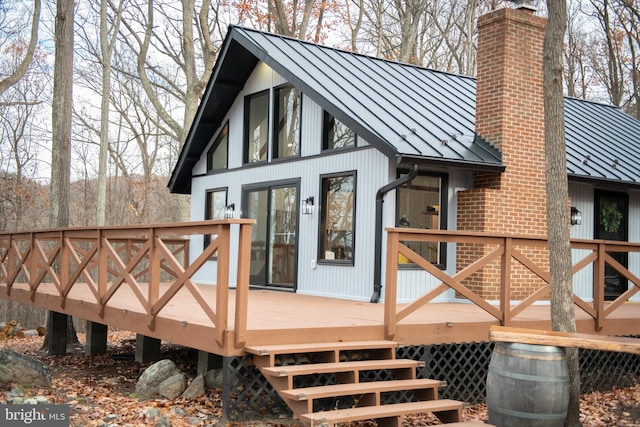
pixel 407 112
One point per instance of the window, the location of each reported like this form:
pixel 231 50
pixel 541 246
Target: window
pixel 419 206
pixel 287 122
pixel 215 205
pixel 217 154
pixel 336 134
pixel 337 220
pixel 256 115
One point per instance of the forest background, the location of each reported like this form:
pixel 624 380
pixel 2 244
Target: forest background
pixel 140 67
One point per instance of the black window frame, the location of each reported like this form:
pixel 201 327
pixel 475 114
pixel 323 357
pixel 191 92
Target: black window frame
pixel 443 223
pixel 323 215
pixel 275 145
pixel 207 209
pixel 327 119
pixel 224 133
pixel 247 116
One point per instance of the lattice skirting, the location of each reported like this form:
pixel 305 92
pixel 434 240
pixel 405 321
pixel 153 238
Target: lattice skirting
pixel 248 396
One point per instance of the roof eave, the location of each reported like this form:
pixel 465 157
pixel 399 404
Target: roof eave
pixel 604 182
pixel 458 164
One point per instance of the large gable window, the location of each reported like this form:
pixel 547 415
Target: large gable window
pixel 217 154
pixel 256 113
pixel 419 206
pixel 336 134
pixel 338 218
pixel 287 122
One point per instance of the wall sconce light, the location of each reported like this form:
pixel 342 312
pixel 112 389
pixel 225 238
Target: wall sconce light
pixel 576 216
pixel 307 206
pixel 230 211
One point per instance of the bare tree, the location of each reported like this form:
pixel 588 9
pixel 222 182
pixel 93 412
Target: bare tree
pixel 61 145
pixel 560 264
pixel 609 63
pixel 21 136
pixel 576 53
pixel 109 29
pixel 21 68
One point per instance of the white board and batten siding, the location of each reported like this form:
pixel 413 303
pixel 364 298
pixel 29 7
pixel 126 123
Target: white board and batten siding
pixel 370 166
pixel 373 170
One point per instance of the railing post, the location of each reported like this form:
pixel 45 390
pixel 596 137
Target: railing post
pixel 154 274
pixel 222 283
pixel 32 261
pixel 598 286
pixel 65 266
pixel 103 271
pixel 242 285
pixel 390 284
pixel 505 282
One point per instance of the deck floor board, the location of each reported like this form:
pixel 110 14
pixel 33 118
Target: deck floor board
pixel 286 317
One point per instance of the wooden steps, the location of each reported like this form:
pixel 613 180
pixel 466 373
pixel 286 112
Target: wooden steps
pixel 326 352
pixel 350 394
pixel 446 410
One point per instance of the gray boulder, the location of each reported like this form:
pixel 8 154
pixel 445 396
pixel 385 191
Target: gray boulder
pixel 153 376
pixel 213 379
pixel 173 386
pixel 23 370
pixel 196 388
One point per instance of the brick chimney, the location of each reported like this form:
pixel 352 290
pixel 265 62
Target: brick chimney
pixel 509 115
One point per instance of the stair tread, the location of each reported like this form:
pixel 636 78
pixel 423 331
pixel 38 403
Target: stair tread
pixel 264 350
pixel 319 368
pixel 358 388
pixel 372 412
pixel 469 424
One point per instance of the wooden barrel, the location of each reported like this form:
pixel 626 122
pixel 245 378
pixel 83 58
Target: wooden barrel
pixel 527 386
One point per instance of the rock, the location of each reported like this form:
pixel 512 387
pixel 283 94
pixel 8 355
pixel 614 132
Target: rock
pixel 149 413
pixel 25 371
pixel 37 400
pixel 178 411
pixel 163 422
pixel 213 379
pixel 147 385
pixel 16 392
pixel 110 417
pixel 196 388
pixel 173 386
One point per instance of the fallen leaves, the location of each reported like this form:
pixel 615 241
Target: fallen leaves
pixel 100 391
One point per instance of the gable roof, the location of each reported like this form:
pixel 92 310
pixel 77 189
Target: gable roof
pixel 409 113
pixel 603 142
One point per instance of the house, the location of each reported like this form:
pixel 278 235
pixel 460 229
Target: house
pixel 325 148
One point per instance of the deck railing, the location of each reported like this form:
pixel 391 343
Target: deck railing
pixel 503 250
pixel 153 261
pixel 106 258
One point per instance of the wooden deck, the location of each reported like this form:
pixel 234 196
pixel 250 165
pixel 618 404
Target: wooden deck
pixel 286 318
pixel 97 274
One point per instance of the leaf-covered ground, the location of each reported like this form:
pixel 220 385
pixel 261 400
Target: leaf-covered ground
pixel 100 392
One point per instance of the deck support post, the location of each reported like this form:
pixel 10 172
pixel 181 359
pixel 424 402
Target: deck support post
pixel 57 344
pixel 208 361
pixel 96 342
pixel 147 348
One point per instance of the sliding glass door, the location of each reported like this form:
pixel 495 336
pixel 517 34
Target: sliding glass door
pixel 274 237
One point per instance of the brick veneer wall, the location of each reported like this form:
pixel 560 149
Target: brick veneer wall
pixel 510 115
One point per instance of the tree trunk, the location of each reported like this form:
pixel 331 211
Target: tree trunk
pixel 560 264
pixel 61 129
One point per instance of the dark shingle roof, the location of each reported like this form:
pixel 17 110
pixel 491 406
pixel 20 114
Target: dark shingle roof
pixel 407 112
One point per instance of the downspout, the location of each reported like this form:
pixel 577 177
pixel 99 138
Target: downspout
pixel 377 266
